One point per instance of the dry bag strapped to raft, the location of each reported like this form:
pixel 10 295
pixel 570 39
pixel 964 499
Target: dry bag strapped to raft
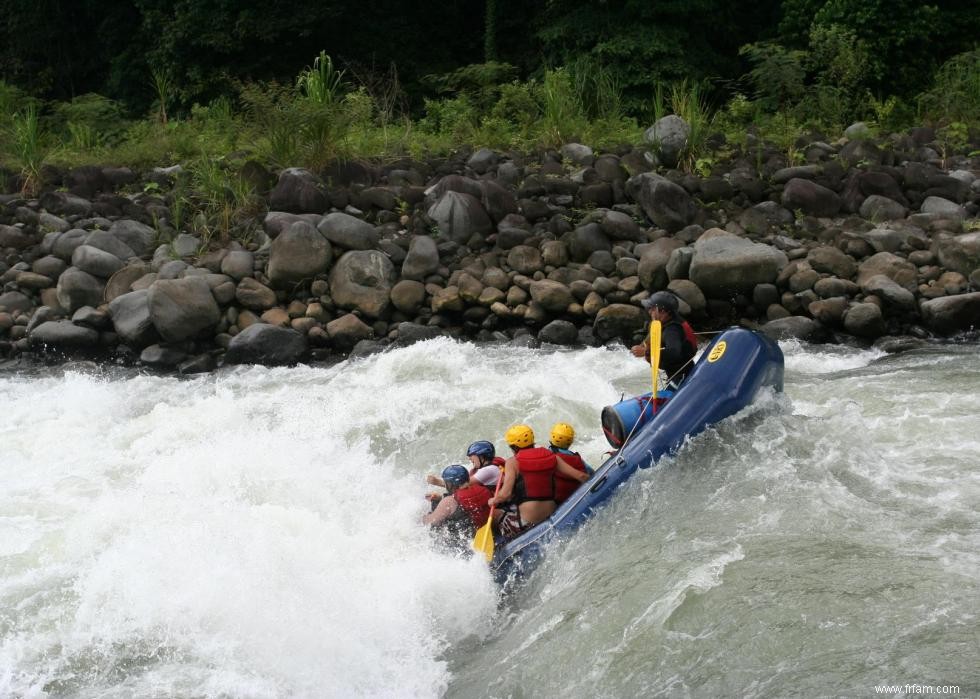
pixel 620 420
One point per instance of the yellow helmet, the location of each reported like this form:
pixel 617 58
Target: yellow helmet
pixel 562 435
pixel 519 436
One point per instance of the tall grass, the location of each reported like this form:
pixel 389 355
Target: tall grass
pixel 955 93
pixel 30 151
pixel 562 113
pixel 688 100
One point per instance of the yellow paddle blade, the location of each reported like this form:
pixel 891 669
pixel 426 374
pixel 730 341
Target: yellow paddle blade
pixel 655 354
pixel 483 541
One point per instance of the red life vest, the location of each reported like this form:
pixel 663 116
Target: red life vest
pixel 473 500
pixel 537 468
pixel 565 486
pixel 689 335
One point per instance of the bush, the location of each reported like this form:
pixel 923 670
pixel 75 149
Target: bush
pixel 955 91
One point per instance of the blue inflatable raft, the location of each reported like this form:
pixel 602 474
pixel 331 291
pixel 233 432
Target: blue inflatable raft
pixel 727 377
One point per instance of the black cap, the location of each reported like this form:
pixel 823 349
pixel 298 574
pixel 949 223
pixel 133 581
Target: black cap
pixel 662 299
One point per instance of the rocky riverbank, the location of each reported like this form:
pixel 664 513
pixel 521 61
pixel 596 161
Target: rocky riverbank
pixel 868 238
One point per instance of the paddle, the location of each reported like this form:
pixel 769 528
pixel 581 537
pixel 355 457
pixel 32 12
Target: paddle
pixel 654 357
pixel 483 541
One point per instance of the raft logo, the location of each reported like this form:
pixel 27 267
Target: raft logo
pixel 717 351
pixel 906 689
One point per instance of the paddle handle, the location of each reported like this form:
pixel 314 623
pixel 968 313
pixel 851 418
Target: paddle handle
pixel 654 355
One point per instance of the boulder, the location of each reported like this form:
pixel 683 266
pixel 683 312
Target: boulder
pixel 182 308
pixel 725 265
pixel 959 253
pixel 49 266
pixel 65 204
pixel 104 240
pixel 137 236
pixel 879 208
pixel 943 207
pixel 299 191
pixel 578 153
pixel 266 344
pixel 619 320
pixel 950 314
pixel 297 255
pixel 619 226
pixel 407 296
pixel 652 269
pixel 77 288
pixel 96 262
pixel 832 261
pixel 346 331
pixel 63 334
pixel 459 216
pixel 410 333
pixel 238 264
pixel 275 222
pixel 794 328
pixel 482 161
pixel 668 136
pixel 254 295
pixel 864 320
pixel 888 291
pixel 348 231
pixel 422 258
pixel 362 280
pixel 559 332
pixel 666 204
pixel 525 259
pixel 689 293
pixel 553 296
pixel 13 237
pixel 64 245
pixel 16 301
pixel 895 268
pixel 810 197
pixel 585 240
pixel 765 218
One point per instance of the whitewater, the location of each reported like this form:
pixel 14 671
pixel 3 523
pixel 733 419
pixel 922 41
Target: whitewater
pixel 254 533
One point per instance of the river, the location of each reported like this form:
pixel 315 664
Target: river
pixel 254 533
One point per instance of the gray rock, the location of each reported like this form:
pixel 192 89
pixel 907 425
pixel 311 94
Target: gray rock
pixel 238 264
pixel 525 259
pixel 185 245
pixel 943 207
pixel 864 320
pixel 275 222
pixel 553 296
pixel 619 320
pixel 585 240
pixel 65 244
pixel 49 266
pixel 121 282
pixel 810 197
pixel 299 191
pixel 362 280
pixel 162 357
pixel 879 208
pixel 254 295
pixel 806 172
pixel 857 130
pixel 182 308
pixel 13 237
pixel 173 269
pixel 407 296
pixel 348 232
pixel 482 161
pixel 65 204
pixel 63 334
pixel 679 263
pixel 104 240
pixel 794 328
pixel 725 265
pixel 652 269
pixel 77 288
pixel 689 294
pixel 137 236
pixel 959 253
pixel 298 254
pixel 949 314
pixel 884 239
pixel 15 301
pixel 91 318
pixel 666 204
pixel 765 218
pixel 832 261
pixel 669 138
pixel 422 258
pixel 50 222
pixel 131 319
pixel 94 261
pixel 410 333
pixel 266 344
pixel 618 226
pixel 346 331
pixel 890 292
pixel 578 153
pixel 559 332
pixel 459 216
pixel 895 268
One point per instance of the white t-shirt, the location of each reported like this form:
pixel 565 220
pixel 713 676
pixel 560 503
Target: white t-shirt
pixel 487 475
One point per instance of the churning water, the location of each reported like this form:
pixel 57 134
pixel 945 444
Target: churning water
pixel 254 533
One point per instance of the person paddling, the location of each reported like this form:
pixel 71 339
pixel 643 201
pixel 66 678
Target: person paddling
pixel 464 509
pixel 529 483
pixel 485 465
pixel 562 436
pixel 678 342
